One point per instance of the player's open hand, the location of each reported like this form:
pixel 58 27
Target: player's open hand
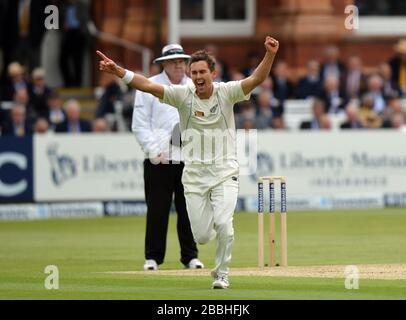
pixel 271 45
pixel 107 65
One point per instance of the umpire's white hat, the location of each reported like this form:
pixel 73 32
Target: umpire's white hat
pixel 172 51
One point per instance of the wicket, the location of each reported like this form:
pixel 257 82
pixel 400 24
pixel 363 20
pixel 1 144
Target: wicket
pixel 284 244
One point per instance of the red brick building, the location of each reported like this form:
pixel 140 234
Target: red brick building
pixel 304 28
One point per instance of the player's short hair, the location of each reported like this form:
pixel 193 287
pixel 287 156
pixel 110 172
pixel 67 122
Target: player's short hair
pixel 203 55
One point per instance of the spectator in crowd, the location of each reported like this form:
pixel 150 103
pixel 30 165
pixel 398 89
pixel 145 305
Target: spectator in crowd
pixel 333 97
pixel 15 81
pixel 398 122
pixel 264 117
pixel 319 110
pixel 41 126
pixel 310 85
pixel 100 125
pixel 21 97
pixel 38 93
pixel 24 22
pixel 352 121
pixel 368 117
pixel 73 123
pixel 325 122
pixel 277 105
pixel 19 126
pixel 390 88
pixel 355 80
pixel 247 117
pixel 375 90
pixel 394 107
pixel 282 86
pixel 332 66
pixel 398 65
pixel 74 17
pixel 253 60
pixel 112 94
pixel 277 123
pixel 56 115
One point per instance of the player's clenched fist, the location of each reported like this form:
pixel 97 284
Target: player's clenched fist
pixel 271 45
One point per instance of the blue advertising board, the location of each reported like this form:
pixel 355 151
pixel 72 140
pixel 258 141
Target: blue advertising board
pixel 16 169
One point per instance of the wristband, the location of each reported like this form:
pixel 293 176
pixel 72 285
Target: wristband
pixel 128 76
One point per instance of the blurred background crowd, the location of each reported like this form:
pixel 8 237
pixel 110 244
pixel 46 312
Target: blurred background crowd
pixel 338 93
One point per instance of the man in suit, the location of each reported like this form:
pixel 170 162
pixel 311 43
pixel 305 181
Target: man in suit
pixel 25 24
pixel 332 66
pixel 18 126
pixel 334 98
pixel 319 112
pixel 73 123
pixel 355 80
pixel 310 84
pixel 282 86
pixel 74 17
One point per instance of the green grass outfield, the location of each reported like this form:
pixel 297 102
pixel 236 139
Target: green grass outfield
pixel 84 249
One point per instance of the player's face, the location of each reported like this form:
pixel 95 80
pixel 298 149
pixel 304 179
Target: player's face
pixel 175 69
pixel 202 78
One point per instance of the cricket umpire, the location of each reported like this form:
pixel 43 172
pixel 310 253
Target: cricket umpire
pixel 157 130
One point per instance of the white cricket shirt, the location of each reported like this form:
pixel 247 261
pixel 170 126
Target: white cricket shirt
pixel 207 126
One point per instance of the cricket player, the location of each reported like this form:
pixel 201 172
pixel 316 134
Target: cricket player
pixel 210 176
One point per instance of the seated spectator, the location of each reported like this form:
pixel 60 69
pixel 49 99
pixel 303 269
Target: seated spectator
pixel 73 123
pixel 310 85
pixel 398 122
pixel 111 94
pixel 248 113
pixel 38 93
pixel 18 126
pixel 375 91
pixel 22 97
pixel 319 110
pixel 253 60
pixel 100 125
pixel 282 86
pixel 332 66
pixel 390 87
pixel 355 80
pixel 353 121
pixel 333 97
pixel 277 123
pixel 394 107
pixel 264 117
pixel 368 117
pixel 56 114
pixel 16 81
pixel 41 126
pixel 325 122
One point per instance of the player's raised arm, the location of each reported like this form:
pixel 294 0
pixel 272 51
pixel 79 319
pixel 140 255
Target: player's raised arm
pixel 264 68
pixel 136 81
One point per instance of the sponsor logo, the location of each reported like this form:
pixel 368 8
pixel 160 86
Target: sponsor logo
pixel 63 167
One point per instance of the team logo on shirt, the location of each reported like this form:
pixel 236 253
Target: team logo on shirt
pixel 214 109
pixel 199 114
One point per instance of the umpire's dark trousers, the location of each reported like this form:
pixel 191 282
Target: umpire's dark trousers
pixel 162 181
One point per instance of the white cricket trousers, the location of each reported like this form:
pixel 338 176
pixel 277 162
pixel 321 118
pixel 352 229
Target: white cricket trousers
pixel 211 193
